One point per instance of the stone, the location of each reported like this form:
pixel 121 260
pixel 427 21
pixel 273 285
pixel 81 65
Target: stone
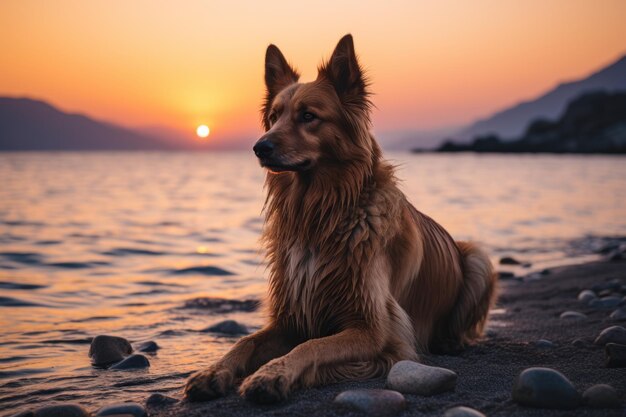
pixel 615 355
pixel 544 344
pixel 410 377
pixel 619 314
pixel 614 285
pixel 375 402
pixel 133 409
pixel 586 296
pixel 27 413
pixel 159 399
pixel 148 347
pixel 135 361
pixel 613 334
pixel 545 388
pixel 506 275
pixel 545 272
pixel 601 396
pixel 508 260
pixel 230 327
pixel 61 410
pixel 105 350
pixel 573 315
pixel 462 412
pixel 605 303
pixel 580 342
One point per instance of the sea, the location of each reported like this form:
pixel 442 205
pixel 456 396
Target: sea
pixel 162 245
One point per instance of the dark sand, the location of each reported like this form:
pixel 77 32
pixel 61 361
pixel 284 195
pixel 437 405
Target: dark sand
pixel 487 371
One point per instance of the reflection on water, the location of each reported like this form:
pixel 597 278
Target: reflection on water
pixel 119 243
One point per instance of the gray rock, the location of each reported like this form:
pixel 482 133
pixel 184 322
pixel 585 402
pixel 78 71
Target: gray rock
pixel 573 315
pixel 159 399
pixel 613 334
pixel 506 275
pixel 614 284
pixel 615 355
pixel 410 377
pixel 508 260
pixel 544 344
pixel 619 314
pixel 601 396
pixel 133 409
pixel 376 402
pixel 586 296
pixel 580 342
pixel 135 361
pixel 462 412
pixel 545 388
pixel 230 327
pixel 148 347
pixel 105 350
pixel 27 413
pixel 605 303
pixel 61 410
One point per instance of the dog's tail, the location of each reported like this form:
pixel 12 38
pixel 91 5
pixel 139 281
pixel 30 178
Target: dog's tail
pixel 466 321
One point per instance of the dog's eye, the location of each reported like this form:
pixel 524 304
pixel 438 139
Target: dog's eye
pixel 307 116
pixel 272 119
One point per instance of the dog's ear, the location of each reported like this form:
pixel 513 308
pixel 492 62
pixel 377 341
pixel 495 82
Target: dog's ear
pixel 278 73
pixel 343 70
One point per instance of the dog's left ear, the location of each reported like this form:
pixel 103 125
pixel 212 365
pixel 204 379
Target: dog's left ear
pixel 343 70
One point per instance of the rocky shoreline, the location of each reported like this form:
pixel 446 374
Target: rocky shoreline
pixel 555 346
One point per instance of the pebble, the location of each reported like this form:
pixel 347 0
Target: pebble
pixel 586 296
pixel 580 342
pixel 230 327
pixel 605 303
pixel 508 260
pixel 619 314
pixel 615 355
pixel 148 347
pixel 410 377
pixel 573 315
pixel 613 334
pixel 376 402
pixel 105 350
pixel 61 410
pixel 133 409
pixel 160 399
pixel 544 343
pixel 133 362
pixel 545 388
pixel 506 275
pixel 601 396
pixel 614 284
pixel 462 412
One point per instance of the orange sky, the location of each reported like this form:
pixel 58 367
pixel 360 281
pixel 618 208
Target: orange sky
pixel 182 63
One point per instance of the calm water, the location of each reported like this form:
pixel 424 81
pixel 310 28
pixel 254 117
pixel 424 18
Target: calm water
pixel 103 243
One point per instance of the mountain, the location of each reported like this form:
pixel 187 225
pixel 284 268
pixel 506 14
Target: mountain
pixel 511 122
pixel 27 124
pixel 592 123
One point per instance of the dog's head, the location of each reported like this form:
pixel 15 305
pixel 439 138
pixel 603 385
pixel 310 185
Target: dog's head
pixel 318 124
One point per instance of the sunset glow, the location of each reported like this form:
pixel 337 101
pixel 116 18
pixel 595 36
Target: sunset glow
pixel 203 131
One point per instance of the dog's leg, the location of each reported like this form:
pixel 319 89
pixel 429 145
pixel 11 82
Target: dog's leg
pixel 245 357
pixel 273 381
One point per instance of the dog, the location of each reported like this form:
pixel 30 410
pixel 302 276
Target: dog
pixel 358 278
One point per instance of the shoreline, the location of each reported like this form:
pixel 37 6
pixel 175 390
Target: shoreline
pixel 526 312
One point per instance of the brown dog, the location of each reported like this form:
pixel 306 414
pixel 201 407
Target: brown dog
pixel 359 279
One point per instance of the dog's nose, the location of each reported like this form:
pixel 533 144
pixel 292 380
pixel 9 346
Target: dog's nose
pixel 263 148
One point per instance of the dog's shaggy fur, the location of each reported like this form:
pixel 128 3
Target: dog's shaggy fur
pixel 359 279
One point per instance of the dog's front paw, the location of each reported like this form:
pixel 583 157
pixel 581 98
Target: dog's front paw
pixel 265 387
pixel 208 384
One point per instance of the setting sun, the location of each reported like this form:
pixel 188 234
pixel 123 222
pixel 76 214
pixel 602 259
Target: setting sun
pixel 203 131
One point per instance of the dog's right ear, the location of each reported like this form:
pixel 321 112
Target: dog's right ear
pixel 278 73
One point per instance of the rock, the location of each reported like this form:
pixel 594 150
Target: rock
pixel 544 344
pixel 619 314
pixel 605 293
pixel 580 342
pixel 159 399
pixel 605 303
pixel 508 260
pixel 614 284
pixel 61 410
pixel 506 275
pixel 24 414
pixel 133 409
pixel 615 355
pixel 586 296
pixel 132 362
pixel 105 350
pixel 230 327
pixel 410 377
pixel 545 388
pixel 601 396
pixel 545 272
pixel 462 412
pixel 148 347
pixel 376 402
pixel 573 315
pixel 613 334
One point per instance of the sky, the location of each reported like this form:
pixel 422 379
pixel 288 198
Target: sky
pixel 175 65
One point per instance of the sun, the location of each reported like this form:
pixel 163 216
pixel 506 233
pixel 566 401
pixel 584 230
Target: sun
pixel 203 131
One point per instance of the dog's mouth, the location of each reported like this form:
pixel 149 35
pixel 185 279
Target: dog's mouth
pixel 276 166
